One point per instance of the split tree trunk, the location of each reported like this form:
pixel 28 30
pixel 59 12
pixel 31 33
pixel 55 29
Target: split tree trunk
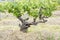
pixel 25 25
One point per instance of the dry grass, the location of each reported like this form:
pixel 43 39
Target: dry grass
pixel 42 31
pixel 39 32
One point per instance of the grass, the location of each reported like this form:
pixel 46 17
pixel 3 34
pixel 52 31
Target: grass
pixel 34 28
pixel 35 32
pixel 40 32
pixel 47 32
pixel 10 27
pixel 41 27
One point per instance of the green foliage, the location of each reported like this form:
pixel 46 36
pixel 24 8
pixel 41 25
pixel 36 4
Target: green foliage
pixel 2 7
pixel 58 2
pixel 18 8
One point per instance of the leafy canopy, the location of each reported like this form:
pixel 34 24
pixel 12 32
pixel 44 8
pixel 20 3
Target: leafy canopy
pixel 32 7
